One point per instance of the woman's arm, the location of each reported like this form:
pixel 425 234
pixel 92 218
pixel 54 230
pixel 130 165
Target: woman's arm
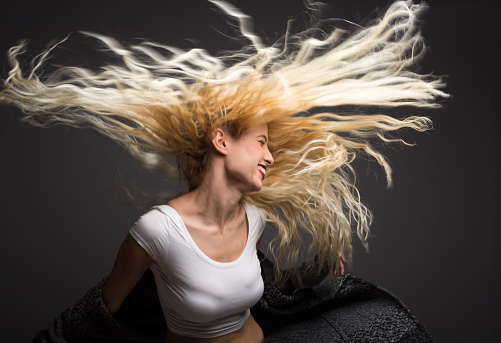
pixel 131 263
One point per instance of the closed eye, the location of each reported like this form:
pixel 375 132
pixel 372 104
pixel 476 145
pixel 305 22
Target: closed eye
pixel 262 139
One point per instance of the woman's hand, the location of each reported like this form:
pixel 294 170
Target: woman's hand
pixel 340 267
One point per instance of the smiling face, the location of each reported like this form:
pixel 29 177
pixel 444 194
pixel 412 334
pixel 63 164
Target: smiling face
pixel 248 158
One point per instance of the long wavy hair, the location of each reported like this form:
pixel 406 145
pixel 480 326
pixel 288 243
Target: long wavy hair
pixel 159 102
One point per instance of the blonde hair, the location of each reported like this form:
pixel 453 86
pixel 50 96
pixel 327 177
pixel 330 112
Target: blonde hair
pixel 161 101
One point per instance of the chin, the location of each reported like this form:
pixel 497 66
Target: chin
pixel 255 188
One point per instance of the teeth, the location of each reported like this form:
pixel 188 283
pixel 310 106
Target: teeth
pixel 261 169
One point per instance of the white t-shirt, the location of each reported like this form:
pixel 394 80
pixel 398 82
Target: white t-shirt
pixel 200 297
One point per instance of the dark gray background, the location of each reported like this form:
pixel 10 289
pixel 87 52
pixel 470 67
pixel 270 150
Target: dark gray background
pixel 436 232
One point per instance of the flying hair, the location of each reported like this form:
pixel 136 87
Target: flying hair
pixel 159 101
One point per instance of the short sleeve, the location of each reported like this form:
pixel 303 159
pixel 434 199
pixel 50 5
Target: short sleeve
pixel 261 221
pixel 152 234
pixel 257 218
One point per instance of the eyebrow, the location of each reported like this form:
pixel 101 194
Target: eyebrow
pixel 264 136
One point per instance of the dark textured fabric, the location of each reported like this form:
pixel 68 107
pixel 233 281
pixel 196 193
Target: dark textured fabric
pixel 140 318
pixel 346 309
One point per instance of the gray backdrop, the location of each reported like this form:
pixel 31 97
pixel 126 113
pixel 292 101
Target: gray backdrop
pixel 435 233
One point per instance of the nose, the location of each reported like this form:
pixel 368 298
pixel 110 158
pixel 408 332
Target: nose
pixel 268 157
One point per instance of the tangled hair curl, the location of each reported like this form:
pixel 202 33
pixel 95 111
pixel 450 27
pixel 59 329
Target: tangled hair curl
pixel 161 101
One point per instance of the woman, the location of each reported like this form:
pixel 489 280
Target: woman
pixel 236 123
pixel 202 247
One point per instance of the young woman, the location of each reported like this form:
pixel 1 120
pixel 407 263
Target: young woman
pixel 202 247
pixel 239 128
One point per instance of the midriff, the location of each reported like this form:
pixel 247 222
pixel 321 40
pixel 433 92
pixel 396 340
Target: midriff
pixel 250 332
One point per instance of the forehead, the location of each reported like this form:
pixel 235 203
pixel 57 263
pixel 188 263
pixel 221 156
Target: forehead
pixel 261 130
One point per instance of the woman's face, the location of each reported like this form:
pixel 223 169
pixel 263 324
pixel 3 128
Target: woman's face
pixel 247 159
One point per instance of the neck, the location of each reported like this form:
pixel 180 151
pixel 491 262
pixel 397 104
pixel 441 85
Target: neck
pixel 216 200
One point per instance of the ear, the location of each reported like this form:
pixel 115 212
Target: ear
pixel 220 141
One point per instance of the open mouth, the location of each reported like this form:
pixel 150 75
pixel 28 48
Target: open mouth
pixel 262 169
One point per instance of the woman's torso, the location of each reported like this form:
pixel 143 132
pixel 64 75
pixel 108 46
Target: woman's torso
pixel 203 300
pixel 249 333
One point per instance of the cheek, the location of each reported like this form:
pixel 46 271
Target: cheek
pixel 257 151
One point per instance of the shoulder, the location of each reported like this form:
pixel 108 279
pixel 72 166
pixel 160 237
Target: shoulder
pixel 154 224
pixel 255 215
pixel 156 218
pixel 152 231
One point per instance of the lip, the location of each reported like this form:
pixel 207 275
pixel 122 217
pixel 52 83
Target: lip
pixel 263 167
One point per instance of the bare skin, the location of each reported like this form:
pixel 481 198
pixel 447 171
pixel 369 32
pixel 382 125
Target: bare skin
pixel 214 217
pixel 249 333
